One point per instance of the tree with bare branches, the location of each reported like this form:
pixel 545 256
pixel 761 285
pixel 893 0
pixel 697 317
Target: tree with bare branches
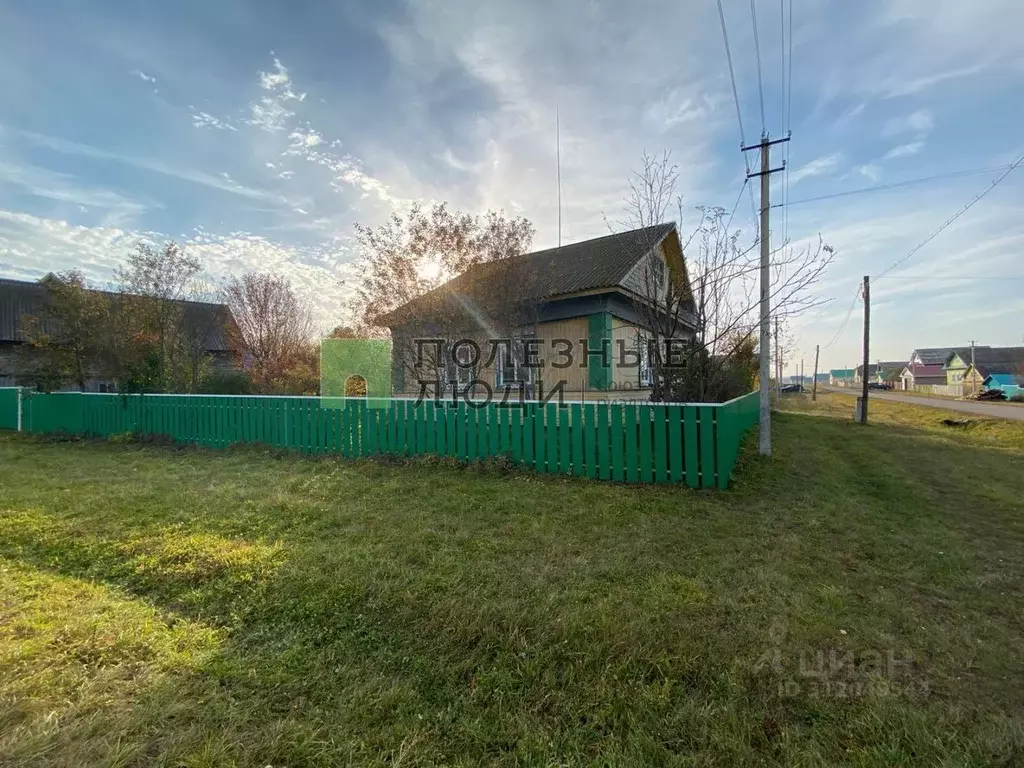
pixel 455 276
pixel 716 295
pixel 273 328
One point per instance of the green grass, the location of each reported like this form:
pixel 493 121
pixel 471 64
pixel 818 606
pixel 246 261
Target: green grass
pixel 190 608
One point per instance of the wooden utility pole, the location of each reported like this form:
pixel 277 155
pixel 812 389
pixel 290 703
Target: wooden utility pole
pixel 867 352
pixel 814 384
pixel 764 370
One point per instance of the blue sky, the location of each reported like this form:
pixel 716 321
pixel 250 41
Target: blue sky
pixel 259 133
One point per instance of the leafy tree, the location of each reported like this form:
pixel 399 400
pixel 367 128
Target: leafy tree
pixel 153 285
pixel 63 344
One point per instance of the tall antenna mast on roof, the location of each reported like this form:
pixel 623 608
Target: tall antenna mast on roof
pixel 558 172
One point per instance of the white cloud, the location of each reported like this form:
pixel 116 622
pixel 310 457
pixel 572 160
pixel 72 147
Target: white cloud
pixel 870 171
pixel 822 166
pixel 904 150
pixel 919 123
pixel 304 139
pixel 270 112
pixel 140 74
pixel 148 164
pixel 279 78
pixel 38 245
pixel 205 120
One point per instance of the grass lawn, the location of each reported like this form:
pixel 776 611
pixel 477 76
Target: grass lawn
pixel 858 599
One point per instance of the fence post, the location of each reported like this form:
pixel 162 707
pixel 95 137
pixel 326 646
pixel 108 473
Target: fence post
pixel 19 409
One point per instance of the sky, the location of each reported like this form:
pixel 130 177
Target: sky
pixel 259 133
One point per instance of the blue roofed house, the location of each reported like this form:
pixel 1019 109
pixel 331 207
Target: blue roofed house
pixel 1011 384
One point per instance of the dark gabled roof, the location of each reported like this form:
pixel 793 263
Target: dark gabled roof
pixel 933 355
pixel 989 360
pixel 988 355
pixel 931 370
pixel 585 266
pixel 885 365
pixel 21 297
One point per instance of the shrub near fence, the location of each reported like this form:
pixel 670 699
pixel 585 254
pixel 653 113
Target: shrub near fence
pixel 632 442
pixel 9 407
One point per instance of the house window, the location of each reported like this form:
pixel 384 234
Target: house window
pixel 645 372
pixel 511 369
pixel 658 272
pixel 465 369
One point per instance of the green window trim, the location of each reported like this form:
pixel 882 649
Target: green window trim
pixel 599 339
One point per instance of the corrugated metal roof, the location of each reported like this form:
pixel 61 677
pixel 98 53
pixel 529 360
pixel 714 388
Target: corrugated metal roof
pixel 20 297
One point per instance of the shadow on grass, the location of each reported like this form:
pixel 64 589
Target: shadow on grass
pixel 373 614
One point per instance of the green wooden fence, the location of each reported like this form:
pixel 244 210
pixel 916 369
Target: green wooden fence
pixel 633 442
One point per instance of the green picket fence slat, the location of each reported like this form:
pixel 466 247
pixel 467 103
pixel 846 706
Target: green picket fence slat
pixel 604 462
pixel 644 417
pixel 707 446
pixel 675 443
pixel 660 427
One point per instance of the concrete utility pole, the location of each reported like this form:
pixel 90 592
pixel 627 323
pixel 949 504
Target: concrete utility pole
pixel 867 351
pixel 764 375
pixel 814 384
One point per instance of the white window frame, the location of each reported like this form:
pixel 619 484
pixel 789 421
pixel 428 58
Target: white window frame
pixel 644 366
pixel 464 375
pixel 514 356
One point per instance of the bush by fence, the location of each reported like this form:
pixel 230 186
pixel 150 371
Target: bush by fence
pixel 633 442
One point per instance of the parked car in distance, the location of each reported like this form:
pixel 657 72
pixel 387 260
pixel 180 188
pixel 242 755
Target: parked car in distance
pixel 879 385
pixel 790 388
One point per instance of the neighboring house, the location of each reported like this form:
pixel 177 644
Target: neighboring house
pixel 822 378
pixel 889 374
pixel 841 377
pixel 879 372
pixel 606 293
pixel 923 378
pixel 19 298
pixel 1011 384
pixel 988 361
pixel 935 355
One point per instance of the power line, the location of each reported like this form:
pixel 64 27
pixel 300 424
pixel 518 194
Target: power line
pixel 846 320
pixel 757 53
pixel 789 123
pixel 950 277
pixel 897 184
pixel 955 216
pixel 739 117
pixel 782 59
pixel 736 205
